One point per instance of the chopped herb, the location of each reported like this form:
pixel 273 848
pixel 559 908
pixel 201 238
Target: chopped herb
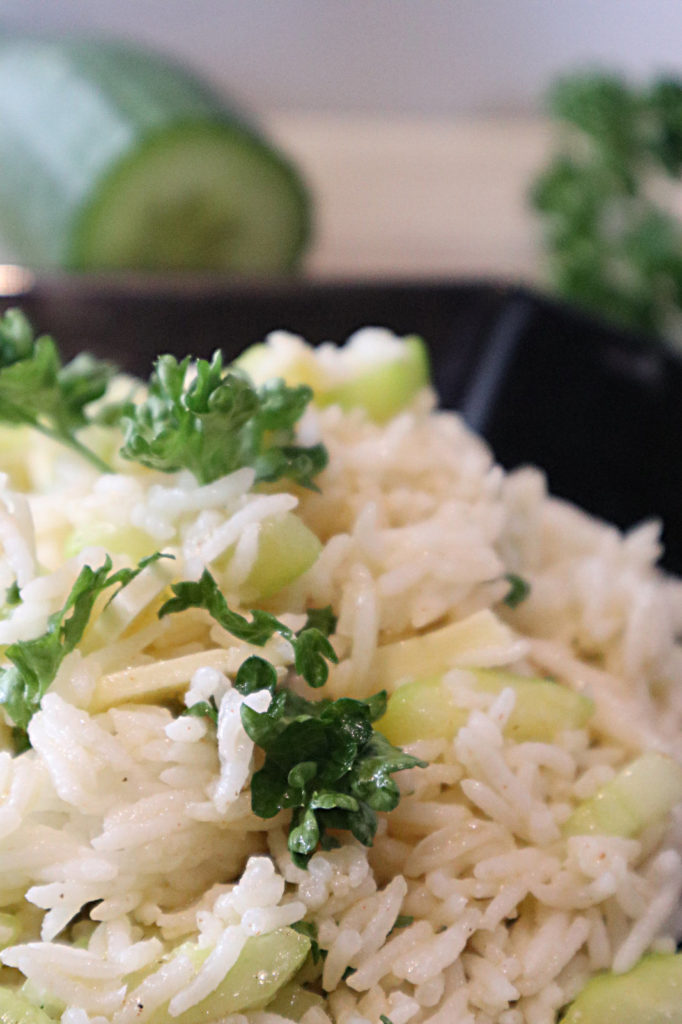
pixel 322 619
pixel 212 421
pixel 35 662
pixel 402 921
pixel 204 709
pixel 37 390
pixel 323 759
pixel 519 589
pixel 325 762
pixel 384 1019
pixel 309 929
pixel 12 595
pixel 311 647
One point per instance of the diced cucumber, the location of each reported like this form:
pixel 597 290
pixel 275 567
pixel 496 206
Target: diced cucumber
pixel 286 549
pixel 382 385
pixel 265 965
pixel 457 644
pixel 651 993
pixel 113 157
pixel 422 709
pixel 10 929
pixel 543 707
pixel 117 540
pixel 16 1009
pixel 427 708
pixel 383 391
pixel 36 996
pixel 639 795
pixel 295 363
pixel 293 1001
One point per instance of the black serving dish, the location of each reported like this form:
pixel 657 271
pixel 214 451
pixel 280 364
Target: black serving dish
pixel 598 409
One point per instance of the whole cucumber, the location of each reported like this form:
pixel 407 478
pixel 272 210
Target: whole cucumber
pixel 113 157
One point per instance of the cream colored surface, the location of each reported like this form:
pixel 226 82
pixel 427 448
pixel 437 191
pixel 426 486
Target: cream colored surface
pixel 415 197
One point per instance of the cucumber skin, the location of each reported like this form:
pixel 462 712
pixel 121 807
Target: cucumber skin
pixel 650 993
pixel 72 112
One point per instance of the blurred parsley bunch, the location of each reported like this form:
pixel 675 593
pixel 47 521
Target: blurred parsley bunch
pixel 607 199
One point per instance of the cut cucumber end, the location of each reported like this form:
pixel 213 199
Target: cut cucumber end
pixel 375 370
pixel 642 793
pixel 651 993
pixel 197 196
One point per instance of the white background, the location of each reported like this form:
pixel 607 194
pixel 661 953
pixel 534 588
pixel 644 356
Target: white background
pixel 433 57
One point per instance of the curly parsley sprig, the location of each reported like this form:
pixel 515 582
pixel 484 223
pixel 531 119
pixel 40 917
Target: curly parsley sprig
pixel 323 759
pixel 614 246
pixel 197 415
pixel 210 420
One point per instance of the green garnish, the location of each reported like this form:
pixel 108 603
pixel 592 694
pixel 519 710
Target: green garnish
pixel 212 421
pixel 35 662
pixel 36 389
pixel 12 595
pixel 384 1019
pixel 325 762
pixel 204 709
pixel 403 921
pixel 519 589
pixel 614 247
pixel 196 415
pixel 323 759
pixel 310 644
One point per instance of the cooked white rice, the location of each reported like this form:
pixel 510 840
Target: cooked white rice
pixel 127 831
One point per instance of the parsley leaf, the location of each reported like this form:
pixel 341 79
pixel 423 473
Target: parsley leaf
pixel 35 662
pixel 311 647
pixel 204 709
pixel 519 589
pixel 36 389
pixel 325 762
pixel 212 421
pixel 323 759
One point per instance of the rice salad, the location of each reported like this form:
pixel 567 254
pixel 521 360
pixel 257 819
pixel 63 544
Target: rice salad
pixel 321 716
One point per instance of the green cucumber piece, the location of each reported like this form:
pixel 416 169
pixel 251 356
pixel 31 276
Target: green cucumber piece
pixel 265 965
pixel 292 1001
pixel 16 1009
pixel 117 540
pixel 382 386
pixel 639 795
pixel 113 157
pixel 651 993
pixel 286 549
pixel 421 710
pixel 543 707
pixel 10 929
pixel 384 390
pixel 427 708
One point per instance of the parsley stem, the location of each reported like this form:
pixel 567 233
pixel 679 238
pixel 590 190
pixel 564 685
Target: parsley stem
pixel 76 445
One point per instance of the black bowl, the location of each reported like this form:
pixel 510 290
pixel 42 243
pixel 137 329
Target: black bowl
pixel 598 409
